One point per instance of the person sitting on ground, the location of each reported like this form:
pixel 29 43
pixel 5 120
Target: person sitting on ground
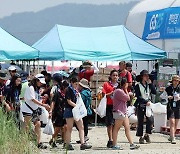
pixel 120 99
pixel 88 70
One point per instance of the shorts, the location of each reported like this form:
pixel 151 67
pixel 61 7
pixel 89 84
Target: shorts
pixel 34 117
pixel 173 113
pixel 119 116
pixel 58 121
pixel 109 116
pixel 68 113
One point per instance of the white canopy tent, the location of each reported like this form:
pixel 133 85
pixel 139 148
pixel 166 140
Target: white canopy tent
pixel 136 22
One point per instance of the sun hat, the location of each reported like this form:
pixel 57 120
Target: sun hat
pixel 84 83
pixel 174 77
pixel 143 72
pixel 12 68
pixel 41 78
pixel 3 75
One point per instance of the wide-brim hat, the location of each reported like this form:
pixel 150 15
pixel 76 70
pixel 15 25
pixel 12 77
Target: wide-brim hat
pixel 84 83
pixel 174 77
pixel 41 78
pixel 3 75
pixel 143 72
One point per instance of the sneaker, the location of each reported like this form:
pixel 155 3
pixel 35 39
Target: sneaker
pixel 85 146
pixel 173 141
pixel 86 139
pixel 133 146
pixel 41 146
pixel 170 139
pixel 109 144
pixel 54 145
pixel 51 141
pixel 147 138
pixel 69 147
pixel 141 140
pixel 116 148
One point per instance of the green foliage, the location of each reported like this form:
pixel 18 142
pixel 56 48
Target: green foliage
pixel 13 140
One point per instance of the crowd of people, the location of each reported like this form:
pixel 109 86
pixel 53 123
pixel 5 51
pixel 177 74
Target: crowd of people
pixel 24 97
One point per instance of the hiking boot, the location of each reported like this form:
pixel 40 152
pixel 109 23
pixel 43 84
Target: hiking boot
pixel 109 144
pixel 85 146
pixel 147 138
pixel 173 141
pixel 41 146
pixel 69 147
pixel 133 146
pixel 116 148
pixel 141 140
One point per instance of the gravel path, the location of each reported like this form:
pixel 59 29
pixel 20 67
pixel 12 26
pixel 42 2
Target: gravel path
pixel 98 140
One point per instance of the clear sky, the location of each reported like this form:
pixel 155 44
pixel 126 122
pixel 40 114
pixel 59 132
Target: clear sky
pixel 8 7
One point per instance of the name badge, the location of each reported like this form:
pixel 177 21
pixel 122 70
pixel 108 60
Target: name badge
pixel 174 104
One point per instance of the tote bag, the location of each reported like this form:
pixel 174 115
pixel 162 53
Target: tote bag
pixel 101 110
pixel 79 111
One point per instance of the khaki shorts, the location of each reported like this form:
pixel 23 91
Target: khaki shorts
pixel 119 115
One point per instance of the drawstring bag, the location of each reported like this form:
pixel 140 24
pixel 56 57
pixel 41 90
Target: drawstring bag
pixel 49 129
pixel 79 111
pixel 101 110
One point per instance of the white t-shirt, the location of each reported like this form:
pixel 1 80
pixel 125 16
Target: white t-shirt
pixel 28 96
pixel 54 90
pixel 131 110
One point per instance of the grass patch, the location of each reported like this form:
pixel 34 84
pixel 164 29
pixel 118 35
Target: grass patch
pixel 12 140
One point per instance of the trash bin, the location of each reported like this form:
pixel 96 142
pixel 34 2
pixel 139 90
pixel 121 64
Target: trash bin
pixel 160 119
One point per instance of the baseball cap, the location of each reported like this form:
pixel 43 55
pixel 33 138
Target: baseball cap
pixel 41 78
pixel 12 68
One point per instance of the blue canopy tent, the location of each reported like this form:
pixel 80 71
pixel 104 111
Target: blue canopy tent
pixel 96 44
pixel 13 49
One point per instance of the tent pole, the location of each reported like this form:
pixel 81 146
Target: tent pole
pixel 38 66
pixel 96 94
pixel 52 70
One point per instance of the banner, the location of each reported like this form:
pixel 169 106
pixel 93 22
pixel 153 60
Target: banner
pixel 154 25
pixel 162 24
pixel 172 26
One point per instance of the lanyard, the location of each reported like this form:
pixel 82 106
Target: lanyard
pixel 145 87
pixel 16 94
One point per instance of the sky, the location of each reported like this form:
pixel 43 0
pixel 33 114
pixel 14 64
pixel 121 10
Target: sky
pixel 8 7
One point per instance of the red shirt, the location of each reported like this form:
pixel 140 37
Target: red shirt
pixel 108 88
pixel 86 74
pixel 128 76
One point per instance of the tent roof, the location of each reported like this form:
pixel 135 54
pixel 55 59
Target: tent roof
pixel 97 44
pixel 13 49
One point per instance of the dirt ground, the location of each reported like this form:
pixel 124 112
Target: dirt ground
pixel 98 140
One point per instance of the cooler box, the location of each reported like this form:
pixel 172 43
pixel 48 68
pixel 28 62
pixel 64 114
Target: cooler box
pixel 160 119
